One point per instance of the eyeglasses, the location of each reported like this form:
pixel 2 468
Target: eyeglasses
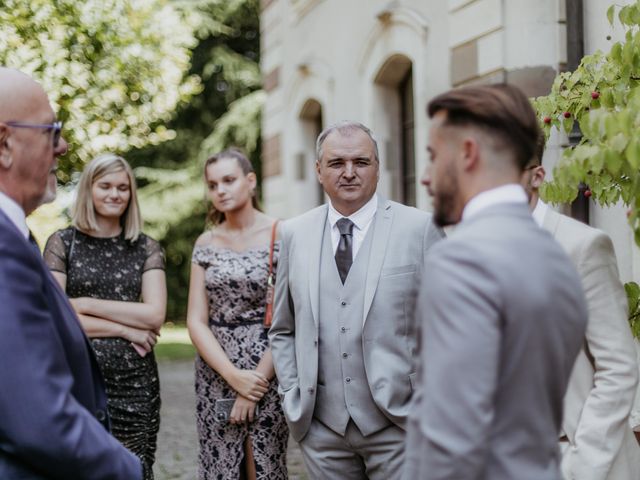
pixel 55 128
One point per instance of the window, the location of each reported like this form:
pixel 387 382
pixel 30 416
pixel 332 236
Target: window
pixel 394 126
pixel 407 151
pixel 311 119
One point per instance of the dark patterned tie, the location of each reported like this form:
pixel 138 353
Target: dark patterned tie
pixel 344 257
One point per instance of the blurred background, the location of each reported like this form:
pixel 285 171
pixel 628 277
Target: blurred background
pixel 164 83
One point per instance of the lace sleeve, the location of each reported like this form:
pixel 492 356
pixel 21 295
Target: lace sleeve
pixel 201 254
pixel 55 253
pixel 200 257
pixel 154 256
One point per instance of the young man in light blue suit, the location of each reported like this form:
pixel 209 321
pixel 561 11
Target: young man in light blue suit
pixel 343 338
pixel 502 311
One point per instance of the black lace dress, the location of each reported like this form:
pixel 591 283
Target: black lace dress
pixel 111 269
pixel 236 289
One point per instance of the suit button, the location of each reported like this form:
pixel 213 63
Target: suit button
pixel 343 329
pixel 348 379
pixel 310 390
pixel 100 415
pixel 343 303
pixel 315 342
pixel 345 355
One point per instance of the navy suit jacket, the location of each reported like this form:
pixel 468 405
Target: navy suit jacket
pixel 53 406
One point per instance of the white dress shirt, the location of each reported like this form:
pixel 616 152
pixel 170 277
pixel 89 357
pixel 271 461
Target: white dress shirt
pixel 540 212
pixel 15 213
pixel 510 193
pixel 361 220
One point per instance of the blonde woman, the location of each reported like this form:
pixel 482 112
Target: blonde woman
pixel 114 276
pixel 227 295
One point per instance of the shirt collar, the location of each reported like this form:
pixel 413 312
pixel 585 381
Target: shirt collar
pixel 15 213
pixel 510 193
pixel 360 218
pixel 540 212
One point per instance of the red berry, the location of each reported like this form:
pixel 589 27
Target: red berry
pixel 587 193
pixel 547 120
pixel 595 95
pixel 567 115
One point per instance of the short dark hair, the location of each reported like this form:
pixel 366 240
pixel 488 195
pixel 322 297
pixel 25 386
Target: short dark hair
pixel 501 110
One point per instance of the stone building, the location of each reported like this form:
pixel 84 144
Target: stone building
pixel 380 61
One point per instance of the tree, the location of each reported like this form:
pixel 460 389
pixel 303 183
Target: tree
pixel 163 82
pixel 225 113
pixel 114 69
pixel 603 96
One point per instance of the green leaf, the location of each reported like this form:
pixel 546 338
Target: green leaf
pixel 567 124
pixel 623 15
pixel 616 52
pixel 633 153
pixel 633 295
pixel 619 142
pixel 610 12
pixel 597 161
pixel 634 16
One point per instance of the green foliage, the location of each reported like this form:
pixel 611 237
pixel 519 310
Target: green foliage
pixel 115 69
pixel 174 344
pixel 225 113
pixel 633 296
pixel 174 351
pixel 603 96
pixel 164 82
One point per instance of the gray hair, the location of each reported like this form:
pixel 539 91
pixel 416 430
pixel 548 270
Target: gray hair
pixel 346 128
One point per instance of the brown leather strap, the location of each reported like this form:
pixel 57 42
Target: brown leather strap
pixel 273 241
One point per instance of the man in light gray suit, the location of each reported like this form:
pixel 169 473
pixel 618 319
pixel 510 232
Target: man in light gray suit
pixel 596 440
pixel 502 311
pixel 343 339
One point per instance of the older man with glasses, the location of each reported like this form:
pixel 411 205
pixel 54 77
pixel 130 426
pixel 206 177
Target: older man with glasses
pixel 53 417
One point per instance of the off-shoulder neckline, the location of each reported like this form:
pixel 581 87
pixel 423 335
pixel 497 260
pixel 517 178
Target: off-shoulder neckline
pixel 232 250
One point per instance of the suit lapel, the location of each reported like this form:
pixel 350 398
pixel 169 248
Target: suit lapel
pixel 551 221
pixel 381 231
pixel 313 250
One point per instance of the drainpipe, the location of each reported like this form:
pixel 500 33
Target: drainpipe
pixel 575 52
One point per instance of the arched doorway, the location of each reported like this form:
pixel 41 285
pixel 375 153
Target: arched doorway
pixel 312 124
pixel 394 85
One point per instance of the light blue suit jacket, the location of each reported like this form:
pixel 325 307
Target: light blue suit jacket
pixel 402 236
pixel 503 318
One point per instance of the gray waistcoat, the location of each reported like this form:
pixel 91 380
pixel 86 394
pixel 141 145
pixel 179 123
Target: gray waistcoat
pixel 343 389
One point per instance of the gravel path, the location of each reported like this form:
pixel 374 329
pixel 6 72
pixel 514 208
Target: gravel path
pixel 177 442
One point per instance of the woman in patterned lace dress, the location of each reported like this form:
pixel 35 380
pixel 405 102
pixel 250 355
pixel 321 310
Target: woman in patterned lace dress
pixel 225 319
pixel 114 276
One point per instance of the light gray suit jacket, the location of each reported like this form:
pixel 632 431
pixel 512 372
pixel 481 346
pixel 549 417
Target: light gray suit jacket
pixel 503 318
pixel 402 236
pixel 604 378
